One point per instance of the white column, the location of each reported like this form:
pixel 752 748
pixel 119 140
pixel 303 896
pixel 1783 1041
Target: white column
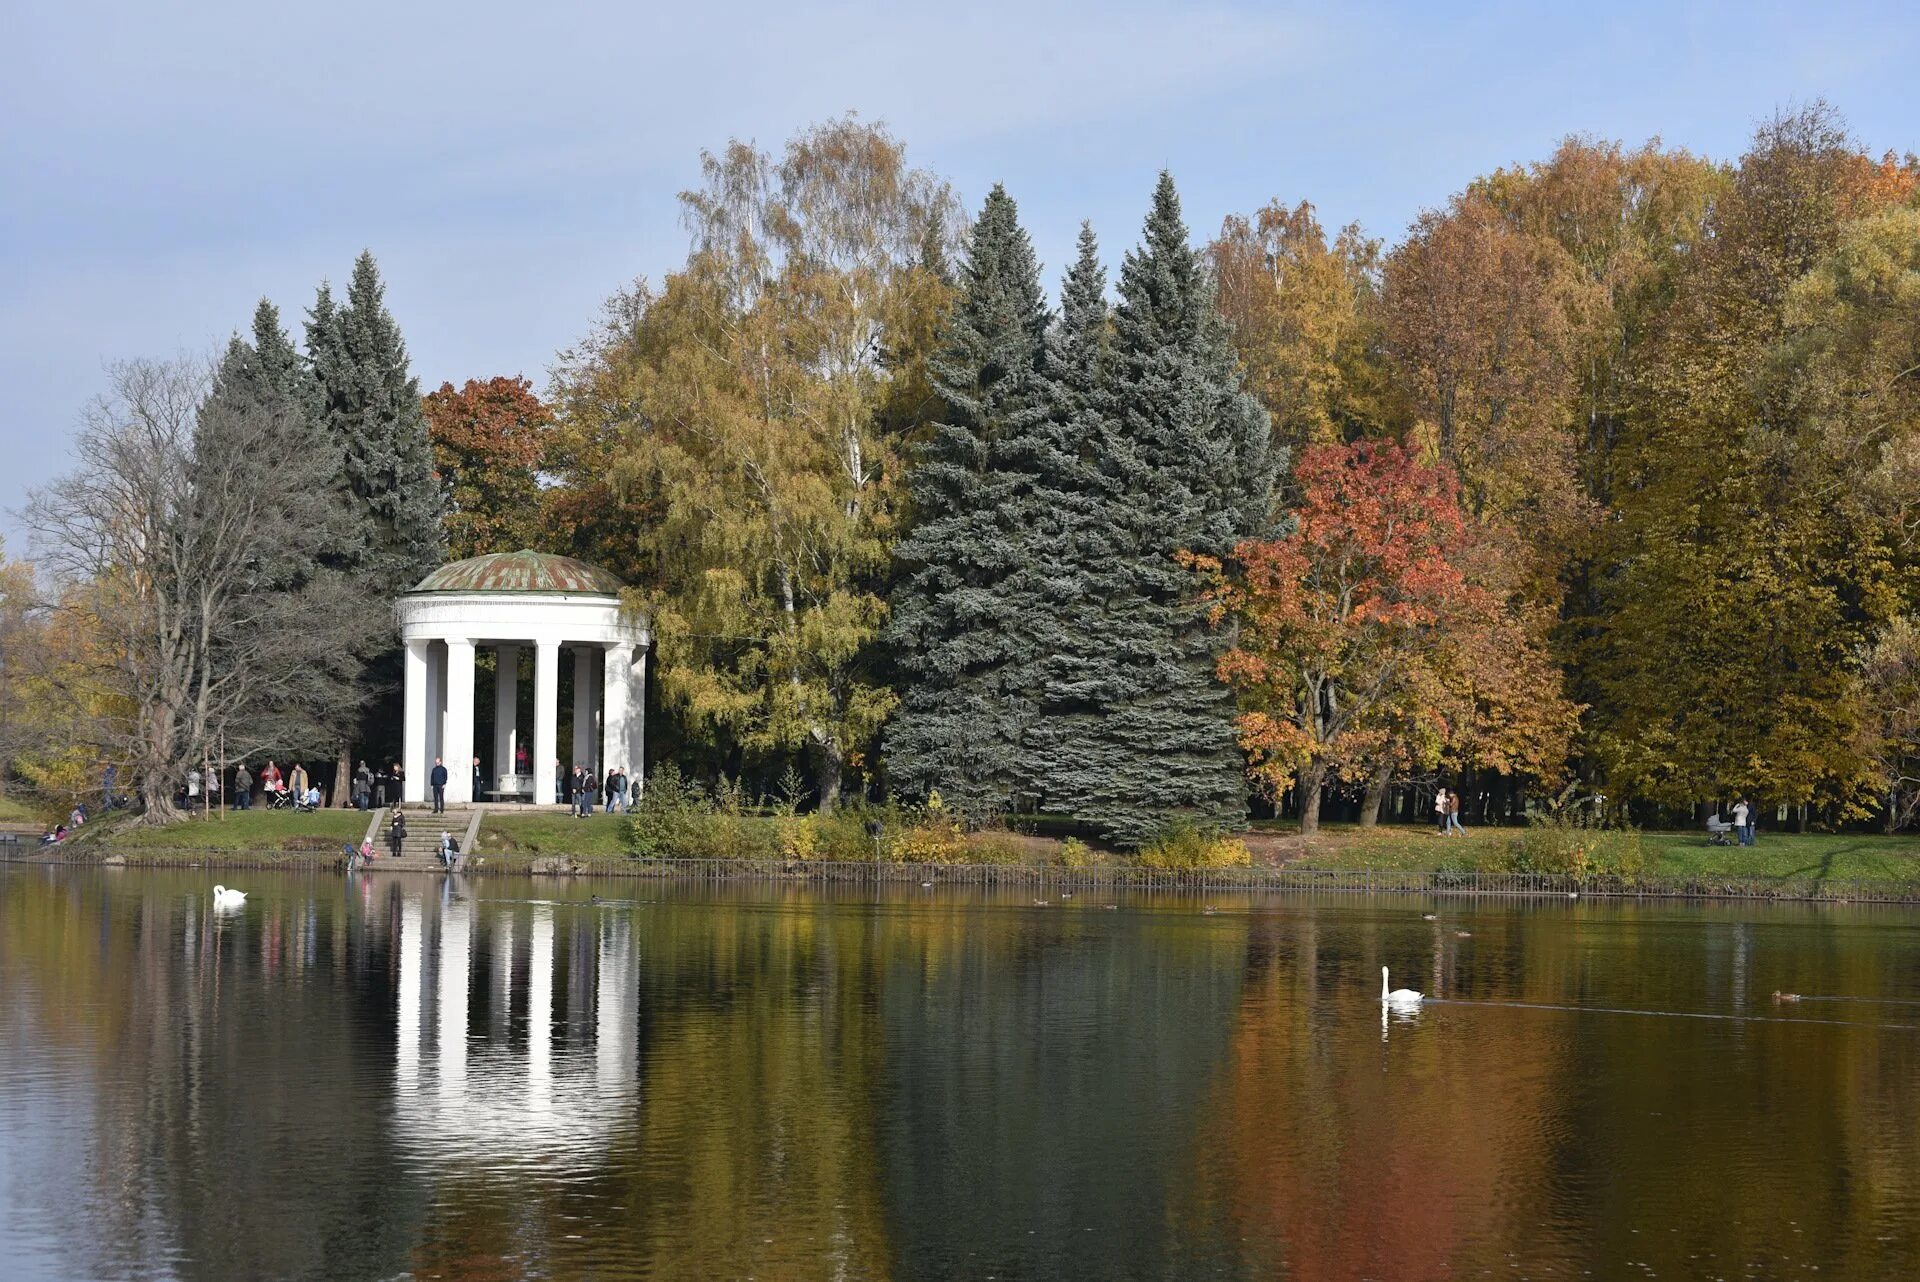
pixel 506 709
pixel 614 698
pixel 436 707
pixel 637 721
pixel 546 719
pixel 413 757
pixel 583 706
pixel 458 745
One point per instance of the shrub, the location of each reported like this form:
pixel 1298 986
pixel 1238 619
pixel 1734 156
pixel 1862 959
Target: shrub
pixel 1183 844
pixel 1557 844
pixel 1075 853
pixel 799 836
pixel 994 848
pixel 663 821
pixel 935 837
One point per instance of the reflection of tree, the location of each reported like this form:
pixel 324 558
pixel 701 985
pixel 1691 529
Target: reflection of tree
pixel 232 1135
pixel 754 1153
pixel 1043 1075
pixel 1542 1140
pixel 1335 1156
pixel 779 1085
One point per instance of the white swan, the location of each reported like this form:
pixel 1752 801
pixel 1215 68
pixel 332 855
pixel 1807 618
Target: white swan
pixel 1397 996
pixel 225 898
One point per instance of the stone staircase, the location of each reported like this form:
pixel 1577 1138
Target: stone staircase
pixel 421 850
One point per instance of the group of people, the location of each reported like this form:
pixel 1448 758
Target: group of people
pixel 611 792
pixel 371 788
pixel 1446 810
pixel 1745 816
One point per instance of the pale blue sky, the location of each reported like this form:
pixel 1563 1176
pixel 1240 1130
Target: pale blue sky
pixel 512 164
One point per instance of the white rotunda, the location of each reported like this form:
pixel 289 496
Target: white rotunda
pixel 512 603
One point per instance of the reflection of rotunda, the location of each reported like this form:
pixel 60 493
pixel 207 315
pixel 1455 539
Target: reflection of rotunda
pixel 514 602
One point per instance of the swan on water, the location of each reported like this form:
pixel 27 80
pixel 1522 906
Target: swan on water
pixel 225 898
pixel 1396 996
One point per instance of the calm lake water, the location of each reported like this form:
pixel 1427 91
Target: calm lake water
pixel 392 1077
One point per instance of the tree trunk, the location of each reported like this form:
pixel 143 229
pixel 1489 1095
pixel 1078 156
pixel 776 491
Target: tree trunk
pixel 829 764
pixel 1312 780
pixel 338 795
pixel 1376 793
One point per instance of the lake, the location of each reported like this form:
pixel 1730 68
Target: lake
pixel 498 1078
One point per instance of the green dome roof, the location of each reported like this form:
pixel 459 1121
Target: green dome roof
pixel 522 571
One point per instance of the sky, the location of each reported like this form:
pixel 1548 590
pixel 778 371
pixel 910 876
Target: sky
pixel 162 167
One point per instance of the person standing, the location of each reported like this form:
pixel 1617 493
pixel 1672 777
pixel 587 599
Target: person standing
pixel 617 790
pixel 270 777
pixel 437 780
pixel 1453 813
pixel 297 781
pixel 397 832
pixel 1742 813
pixel 479 783
pixel 242 788
pixel 1440 811
pixel 362 787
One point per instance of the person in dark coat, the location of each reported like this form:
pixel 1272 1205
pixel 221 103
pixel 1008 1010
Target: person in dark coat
pixel 397 832
pixel 243 789
pixel 438 782
pixel 363 786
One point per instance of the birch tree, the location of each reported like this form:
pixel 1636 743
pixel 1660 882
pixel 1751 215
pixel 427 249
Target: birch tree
pixel 753 399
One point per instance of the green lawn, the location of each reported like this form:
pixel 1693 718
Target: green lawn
pixel 1783 856
pixel 323 832
pixel 550 834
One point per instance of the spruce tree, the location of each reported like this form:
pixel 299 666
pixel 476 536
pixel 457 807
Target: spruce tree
pixel 962 622
pixel 288 660
pixel 367 403
pixel 1077 577
pixel 1185 464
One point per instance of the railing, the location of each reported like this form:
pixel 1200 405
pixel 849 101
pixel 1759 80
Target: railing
pixel 1042 879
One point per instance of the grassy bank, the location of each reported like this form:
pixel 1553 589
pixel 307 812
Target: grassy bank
pixel 1778 856
pixel 547 840
pixel 253 831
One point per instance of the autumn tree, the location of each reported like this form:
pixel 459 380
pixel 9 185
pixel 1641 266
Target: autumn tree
pixel 1890 693
pixel 1362 604
pixel 747 400
pixel 1484 323
pixel 1758 539
pixel 489 441
pixel 1302 316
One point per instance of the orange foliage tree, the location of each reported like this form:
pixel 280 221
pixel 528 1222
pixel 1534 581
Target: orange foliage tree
pixel 1363 620
pixel 490 439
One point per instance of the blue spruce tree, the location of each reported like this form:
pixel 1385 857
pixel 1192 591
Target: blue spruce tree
pixel 1173 455
pixel 962 624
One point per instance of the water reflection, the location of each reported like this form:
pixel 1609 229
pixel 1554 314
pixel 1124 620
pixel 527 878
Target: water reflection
pixel 462 1078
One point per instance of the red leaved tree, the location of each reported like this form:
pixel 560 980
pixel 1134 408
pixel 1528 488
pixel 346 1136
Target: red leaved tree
pixel 490 439
pixel 1348 626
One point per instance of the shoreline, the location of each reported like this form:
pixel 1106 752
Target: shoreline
pixel 1043 876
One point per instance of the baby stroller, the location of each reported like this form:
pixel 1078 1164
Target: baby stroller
pixel 1719 831
pixel 280 799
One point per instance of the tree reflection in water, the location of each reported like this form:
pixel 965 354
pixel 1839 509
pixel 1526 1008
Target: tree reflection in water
pixel 490 1079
